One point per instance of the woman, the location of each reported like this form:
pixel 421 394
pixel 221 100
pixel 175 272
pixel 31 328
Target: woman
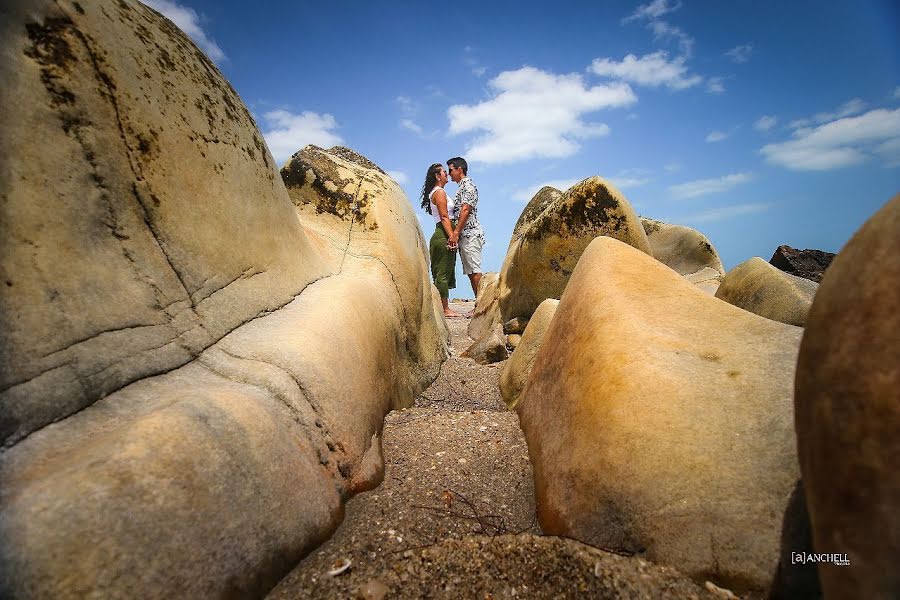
pixel 444 241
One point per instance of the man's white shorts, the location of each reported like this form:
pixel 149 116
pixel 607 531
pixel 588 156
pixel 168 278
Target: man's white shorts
pixel 470 254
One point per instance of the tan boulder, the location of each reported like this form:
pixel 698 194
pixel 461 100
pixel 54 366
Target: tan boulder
pixel 707 279
pixel 538 264
pixel 516 370
pixel 767 291
pixel 848 414
pixel 489 348
pixel 513 340
pixel 659 420
pixel 681 248
pixel 545 197
pixel 487 307
pixel 193 382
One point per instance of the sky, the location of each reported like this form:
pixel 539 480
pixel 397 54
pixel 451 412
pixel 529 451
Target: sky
pixel 758 123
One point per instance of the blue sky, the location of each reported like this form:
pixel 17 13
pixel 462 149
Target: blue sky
pixel 759 123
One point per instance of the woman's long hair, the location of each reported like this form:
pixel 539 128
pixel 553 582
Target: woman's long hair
pixel 430 181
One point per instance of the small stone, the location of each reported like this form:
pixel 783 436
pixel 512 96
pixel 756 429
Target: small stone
pixel 372 590
pixel 462 461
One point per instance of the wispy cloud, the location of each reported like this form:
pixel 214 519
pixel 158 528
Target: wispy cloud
pixel 289 132
pixel 525 194
pixel 631 178
pixel 653 10
pixel 897 93
pixel 399 176
pixel 723 212
pixel 765 123
pixel 663 31
pixel 534 113
pixel 716 136
pixel 703 187
pixel 652 70
pixel 740 54
pixel 471 60
pixel 408 111
pixel 715 85
pixel 854 106
pixel 188 21
pixel 841 143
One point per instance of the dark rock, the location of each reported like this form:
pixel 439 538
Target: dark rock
pixel 809 264
pixel 795 580
pixel 516 325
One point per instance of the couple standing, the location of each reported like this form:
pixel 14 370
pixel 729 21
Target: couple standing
pixel 456 228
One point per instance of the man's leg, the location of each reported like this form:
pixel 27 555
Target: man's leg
pixel 475 279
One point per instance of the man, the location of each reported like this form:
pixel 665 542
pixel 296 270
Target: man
pixel 468 232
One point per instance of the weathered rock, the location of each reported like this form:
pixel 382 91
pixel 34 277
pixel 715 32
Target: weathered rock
pixel 538 264
pixel 681 248
pixel 659 420
pixel 516 325
pixel 513 340
pixel 795 580
pixel 809 264
pixel 757 286
pixel 490 348
pixel 216 374
pixel 545 197
pixel 487 307
pixel 707 279
pixel 848 416
pixel 515 371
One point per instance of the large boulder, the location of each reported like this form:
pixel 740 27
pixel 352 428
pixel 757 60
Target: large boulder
pixel 681 248
pixel 757 286
pixel 515 371
pixel 809 264
pixel 659 420
pixel 848 416
pixel 540 261
pixel 487 307
pixel 545 197
pixel 489 348
pixel 193 381
pixel 707 279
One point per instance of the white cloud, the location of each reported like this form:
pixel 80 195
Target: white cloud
pixel 653 10
pixel 399 176
pixel 289 132
pixel 702 187
pixel 765 123
pixel 533 114
pixel 411 126
pixel 664 31
pixel 651 70
pixel 188 21
pixel 525 195
pixel 724 212
pixel 715 85
pixel 854 106
pixel 716 136
pixel 628 182
pixel 478 70
pixel 840 143
pixel 740 54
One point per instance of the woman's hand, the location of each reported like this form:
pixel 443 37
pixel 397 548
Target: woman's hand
pixel 453 241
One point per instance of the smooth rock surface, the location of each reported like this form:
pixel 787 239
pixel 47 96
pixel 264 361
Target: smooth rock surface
pixel 194 381
pixel 487 307
pixel 681 248
pixel 539 262
pixel 762 289
pixel 659 420
pixel 488 349
pixel 707 279
pixel 848 414
pixel 518 367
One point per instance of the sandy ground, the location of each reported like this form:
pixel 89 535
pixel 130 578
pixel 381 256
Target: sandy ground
pixel 455 515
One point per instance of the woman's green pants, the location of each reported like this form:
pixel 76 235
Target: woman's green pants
pixel 443 262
